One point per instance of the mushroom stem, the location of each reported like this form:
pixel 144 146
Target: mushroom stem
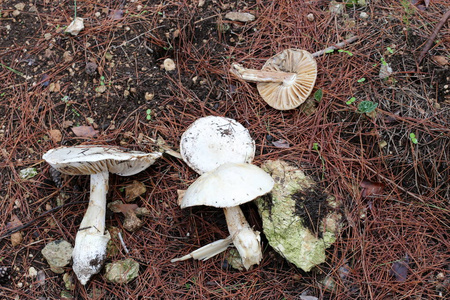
pixel 262 76
pixel 246 240
pixel 89 252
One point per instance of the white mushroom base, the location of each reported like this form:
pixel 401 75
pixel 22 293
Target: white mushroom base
pixel 89 252
pixel 246 240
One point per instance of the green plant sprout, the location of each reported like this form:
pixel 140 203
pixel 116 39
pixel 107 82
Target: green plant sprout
pixel 102 80
pixel 413 138
pixel 65 99
pixel 75 112
pixel 346 51
pixel 383 61
pixel 361 80
pixel 340 50
pixel 367 107
pixel 318 95
pixel 390 50
pixel 316 148
pixel 350 101
pixel 149 114
pixel 12 70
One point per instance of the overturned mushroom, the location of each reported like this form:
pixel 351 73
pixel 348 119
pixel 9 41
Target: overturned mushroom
pixel 227 187
pixel 286 79
pixel 90 243
pixel 207 144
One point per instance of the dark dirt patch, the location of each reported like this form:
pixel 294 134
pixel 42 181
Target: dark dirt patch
pixel 311 206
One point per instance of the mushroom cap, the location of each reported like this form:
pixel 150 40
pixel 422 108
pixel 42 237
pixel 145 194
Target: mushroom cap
pixel 87 160
pixel 229 185
pixel 212 141
pixel 289 94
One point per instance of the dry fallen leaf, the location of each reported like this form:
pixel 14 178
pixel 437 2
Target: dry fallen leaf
pixel 134 190
pixel 118 206
pixel 281 144
pixel 399 269
pixel 440 60
pixel 85 131
pixel 55 135
pixel 16 237
pixel 371 188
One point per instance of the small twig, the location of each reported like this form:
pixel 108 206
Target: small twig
pixel 18 228
pixel 432 37
pixel 337 46
pixel 123 243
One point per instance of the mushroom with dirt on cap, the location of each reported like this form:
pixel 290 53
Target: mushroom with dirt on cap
pixel 286 79
pixel 208 146
pixel 98 161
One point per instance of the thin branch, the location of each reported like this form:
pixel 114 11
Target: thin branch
pixel 337 46
pixel 432 37
pixel 18 228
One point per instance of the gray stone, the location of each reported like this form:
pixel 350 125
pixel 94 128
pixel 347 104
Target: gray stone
pixel 58 255
pixel 239 16
pixel 122 271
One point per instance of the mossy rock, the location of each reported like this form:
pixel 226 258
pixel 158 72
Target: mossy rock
pixel 299 220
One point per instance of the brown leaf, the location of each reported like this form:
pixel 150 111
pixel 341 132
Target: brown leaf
pixel 134 190
pixel 55 135
pixel 371 188
pixel 85 131
pixel 16 237
pixel 440 60
pixel 118 206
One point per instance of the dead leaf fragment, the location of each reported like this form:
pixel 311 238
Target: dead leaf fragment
pixel 16 237
pixel 84 131
pixel 370 188
pixel 118 206
pixel 281 144
pixel 399 269
pixel 132 222
pixel 440 60
pixel 134 190
pixel 55 135
pixel 180 194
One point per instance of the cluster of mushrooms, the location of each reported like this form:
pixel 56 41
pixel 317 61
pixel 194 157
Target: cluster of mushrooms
pixel 219 149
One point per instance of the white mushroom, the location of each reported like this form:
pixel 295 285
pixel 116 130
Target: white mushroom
pixel 90 243
pixel 227 187
pixel 208 144
pixel 286 79
pixel 211 141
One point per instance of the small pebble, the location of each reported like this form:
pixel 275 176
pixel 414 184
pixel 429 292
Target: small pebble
pixel 310 17
pixel 239 16
pixel 169 65
pixel 363 15
pixel 91 68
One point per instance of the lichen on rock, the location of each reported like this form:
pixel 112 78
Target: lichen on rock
pixel 299 219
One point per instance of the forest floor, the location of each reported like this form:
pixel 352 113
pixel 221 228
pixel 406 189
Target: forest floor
pixel 107 85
